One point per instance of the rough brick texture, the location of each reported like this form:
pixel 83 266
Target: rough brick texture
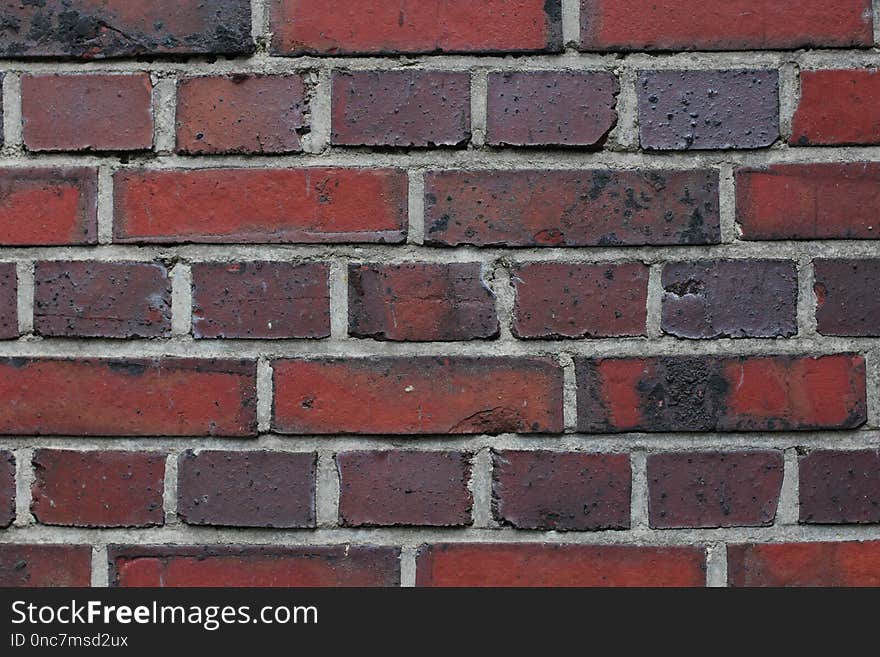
pixel 45 565
pixel 837 107
pixel 846 297
pixel 804 564
pixel 840 487
pixel 8 301
pixel 7 488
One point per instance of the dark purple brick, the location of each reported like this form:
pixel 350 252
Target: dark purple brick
pixel 553 108
pixel 684 110
pixel 401 108
pixel 561 490
pixel 7 488
pixel 102 299
pixel 847 302
pixel 247 489
pixel 261 300
pixel 713 489
pixel 730 298
pixel 8 301
pixel 839 487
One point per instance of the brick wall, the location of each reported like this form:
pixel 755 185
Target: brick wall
pixel 441 292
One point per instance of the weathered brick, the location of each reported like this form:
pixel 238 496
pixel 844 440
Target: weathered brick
pixel 253 566
pixel 567 300
pixel 839 107
pixel 377 26
pixel 247 489
pixel 241 114
pixel 544 564
pixel 48 207
pixel 839 487
pixel 713 393
pixel 389 488
pixel 724 24
pixel 809 201
pixel 87 112
pixel 730 298
pixel 420 301
pixel 7 488
pixel 45 565
pixel 551 108
pixel 102 299
pixel 139 397
pixel 689 110
pixel 229 206
pixel 418 395
pixel 714 489
pixel 571 208
pixel 561 491
pixel 8 301
pixel 261 300
pixel 804 564
pixel 401 108
pixel 121 28
pixel 846 297
pixel 98 489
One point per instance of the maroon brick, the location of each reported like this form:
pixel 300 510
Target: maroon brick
pixel 561 491
pixel 7 488
pixel 846 297
pixel 253 566
pixel 809 201
pixel 390 488
pixel 837 108
pixel 98 489
pixel 852 563
pixel 247 489
pixel 8 301
pixel 241 114
pixel 730 298
pixel 261 300
pixel 102 299
pixel 566 300
pixel 45 565
pixel 420 302
pixel 87 112
pixel 839 487
pixel 689 110
pixel 401 108
pixel 721 393
pixel 714 489
pixel 121 28
pixel 551 108
pixel 571 208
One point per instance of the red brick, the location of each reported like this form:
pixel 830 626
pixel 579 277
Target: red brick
pixel 87 112
pixel 401 108
pixel 839 487
pixel 804 564
pixel 389 488
pixel 837 108
pixel 551 108
pixel 379 26
pixel 7 488
pixel 543 564
pixel 102 299
pixel 228 206
pixel 712 393
pixel 418 395
pixel 724 24
pixel 121 28
pixel 98 489
pixel 420 302
pixel 261 300
pixel 253 566
pixel 561 491
pixel 137 397
pixel 48 207
pixel 45 565
pixel 846 297
pixel 566 300
pixel 241 114
pixel 809 201
pixel 714 489
pixel 247 489
pixel 571 208
pixel 8 301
